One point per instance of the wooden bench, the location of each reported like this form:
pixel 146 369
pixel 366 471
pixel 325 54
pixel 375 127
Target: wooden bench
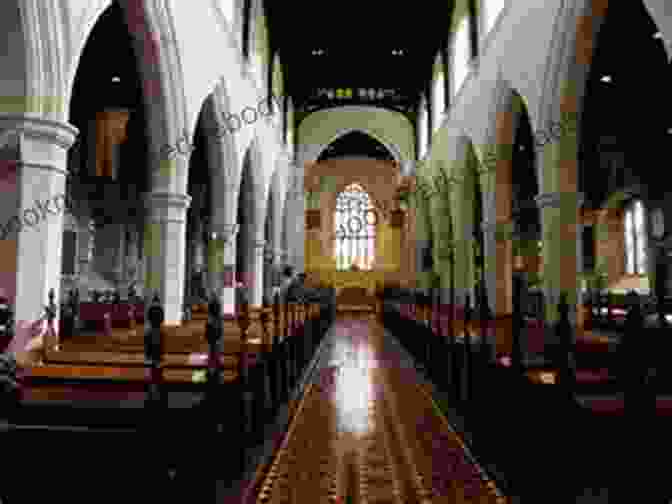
pixel 93 314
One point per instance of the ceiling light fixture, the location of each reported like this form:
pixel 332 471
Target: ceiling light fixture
pixel 606 78
pixel 116 79
pixel 658 35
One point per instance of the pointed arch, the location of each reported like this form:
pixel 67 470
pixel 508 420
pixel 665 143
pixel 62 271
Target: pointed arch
pixel 392 149
pixel 392 129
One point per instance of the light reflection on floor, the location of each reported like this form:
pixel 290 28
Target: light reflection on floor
pixel 353 386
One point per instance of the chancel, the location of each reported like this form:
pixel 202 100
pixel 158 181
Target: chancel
pixel 262 252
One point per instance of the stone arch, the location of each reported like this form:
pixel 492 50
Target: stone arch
pixel 251 219
pixel 393 149
pixel 392 129
pixel 563 101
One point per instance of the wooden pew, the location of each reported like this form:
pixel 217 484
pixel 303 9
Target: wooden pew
pixel 114 378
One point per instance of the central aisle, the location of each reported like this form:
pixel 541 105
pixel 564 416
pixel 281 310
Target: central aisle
pixel 366 433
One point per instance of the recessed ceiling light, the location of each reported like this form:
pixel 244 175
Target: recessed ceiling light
pixel 606 78
pixel 116 79
pixel 669 131
pixel 658 35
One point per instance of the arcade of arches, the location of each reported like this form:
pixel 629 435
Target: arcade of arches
pixel 528 146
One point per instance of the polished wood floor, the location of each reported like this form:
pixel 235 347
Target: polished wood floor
pixel 366 432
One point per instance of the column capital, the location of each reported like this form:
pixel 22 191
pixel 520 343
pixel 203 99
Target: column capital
pixel 167 207
pixel 167 200
pixel 60 133
pixel 226 233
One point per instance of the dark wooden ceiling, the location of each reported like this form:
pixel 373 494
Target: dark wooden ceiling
pixel 357 40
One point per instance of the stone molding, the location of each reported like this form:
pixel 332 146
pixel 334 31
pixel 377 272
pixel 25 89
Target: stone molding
pixel 553 200
pixel 47 130
pixel 167 207
pixel 227 233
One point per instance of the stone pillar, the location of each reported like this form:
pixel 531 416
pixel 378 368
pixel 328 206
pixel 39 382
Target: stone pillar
pixel 256 287
pixel 120 258
pixel 34 169
pixel 499 266
pixel 198 248
pixel 560 218
pixel 131 268
pixel 165 251
pixel 222 265
pixel 269 272
pixel 279 256
pixel 296 222
pixel 85 241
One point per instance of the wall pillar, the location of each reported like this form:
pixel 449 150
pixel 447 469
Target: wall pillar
pixel 222 266
pixel 165 251
pixel 34 168
pixel 131 262
pixel 499 266
pixel 85 241
pixel 560 217
pixel 256 287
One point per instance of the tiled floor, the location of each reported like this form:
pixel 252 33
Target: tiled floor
pixel 366 433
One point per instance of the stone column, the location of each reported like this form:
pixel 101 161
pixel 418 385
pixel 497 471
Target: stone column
pixel 296 222
pixel 85 241
pixel 198 256
pixel 499 266
pixel 269 272
pixel 222 265
pixel 279 256
pixel 560 219
pixel 165 251
pixel 120 258
pixel 34 169
pixel 131 268
pixel 256 287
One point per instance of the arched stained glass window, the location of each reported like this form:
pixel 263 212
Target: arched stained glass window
pixel 635 239
pixel 355 225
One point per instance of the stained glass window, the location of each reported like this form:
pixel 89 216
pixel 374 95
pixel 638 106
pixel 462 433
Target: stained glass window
pixel 635 239
pixel 355 225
